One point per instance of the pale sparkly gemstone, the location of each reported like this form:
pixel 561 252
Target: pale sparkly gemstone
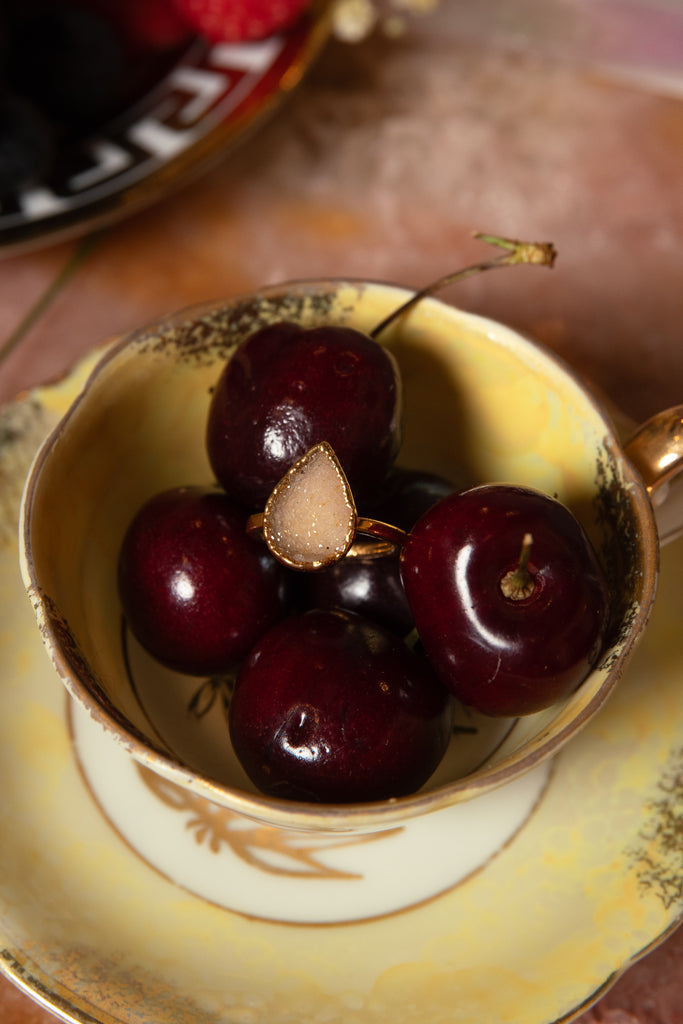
pixel 310 516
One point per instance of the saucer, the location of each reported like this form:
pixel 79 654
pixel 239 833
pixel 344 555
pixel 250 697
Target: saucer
pixel 588 883
pixel 208 101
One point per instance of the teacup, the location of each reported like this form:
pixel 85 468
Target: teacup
pixel 483 404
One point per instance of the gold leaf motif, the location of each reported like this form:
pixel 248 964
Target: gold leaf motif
pixel 273 850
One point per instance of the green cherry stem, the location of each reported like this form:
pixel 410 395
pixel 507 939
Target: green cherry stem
pixel 78 256
pixel 541 254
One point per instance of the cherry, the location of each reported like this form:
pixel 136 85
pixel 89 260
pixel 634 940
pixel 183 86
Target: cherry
pixel 372 585
pixel 196 591
pixel 507 639
pixel 366 584
pixel 286 389
pixel 331 707
pixel 406 494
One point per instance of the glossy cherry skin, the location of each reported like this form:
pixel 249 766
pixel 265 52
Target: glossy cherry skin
pixel 329 707
pixel 287 388
pixel 369 586
pixel 499 655
pixel 372 586
pixel 406 494
pixel 195 590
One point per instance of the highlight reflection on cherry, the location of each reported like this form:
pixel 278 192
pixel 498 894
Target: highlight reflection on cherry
pixel 286 389
pixel 331 707
pixel 372 586
pixel 196 591
pixel 500 648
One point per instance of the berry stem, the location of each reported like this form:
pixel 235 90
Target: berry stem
pixel 73 263
pixel 518 584
pixel 541 254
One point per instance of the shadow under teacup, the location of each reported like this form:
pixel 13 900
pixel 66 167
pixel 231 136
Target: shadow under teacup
pixel 482 403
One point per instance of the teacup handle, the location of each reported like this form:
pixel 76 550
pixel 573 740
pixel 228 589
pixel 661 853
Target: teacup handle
pixel 656 452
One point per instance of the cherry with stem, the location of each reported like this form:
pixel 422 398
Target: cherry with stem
pixel 514 253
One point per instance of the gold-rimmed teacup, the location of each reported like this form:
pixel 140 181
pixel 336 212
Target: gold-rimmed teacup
pixel 483 403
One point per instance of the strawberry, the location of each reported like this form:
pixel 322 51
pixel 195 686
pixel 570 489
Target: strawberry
pixel 239 20
pixel 154 23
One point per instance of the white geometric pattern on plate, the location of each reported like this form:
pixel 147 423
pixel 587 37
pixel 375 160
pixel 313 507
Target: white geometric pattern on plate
pixel 205 102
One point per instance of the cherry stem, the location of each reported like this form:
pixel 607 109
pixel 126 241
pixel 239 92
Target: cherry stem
pixel 533 253
pixel 518 584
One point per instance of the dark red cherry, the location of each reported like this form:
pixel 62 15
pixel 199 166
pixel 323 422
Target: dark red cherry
pixel 288 388
pixel 406 494
pixel 196 591
pixel 330 707
pixel 372 586
pixel 505 644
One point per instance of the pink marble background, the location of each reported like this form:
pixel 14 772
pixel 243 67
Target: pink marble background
pixel 557 120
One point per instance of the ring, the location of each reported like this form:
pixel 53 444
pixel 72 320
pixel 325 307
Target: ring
pixel 388 537
pixel 310 520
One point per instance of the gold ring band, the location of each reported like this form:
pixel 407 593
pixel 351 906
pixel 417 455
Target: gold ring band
pixel 390 536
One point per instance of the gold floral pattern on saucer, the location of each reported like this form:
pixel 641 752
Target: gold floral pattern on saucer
pixel 90 930
pixel 270 849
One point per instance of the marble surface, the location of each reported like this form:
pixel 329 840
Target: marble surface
pixel 545 119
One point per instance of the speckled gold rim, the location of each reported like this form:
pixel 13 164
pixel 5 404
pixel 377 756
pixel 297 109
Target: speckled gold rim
pixel 615 976
pixel 46 991
pixel 346 817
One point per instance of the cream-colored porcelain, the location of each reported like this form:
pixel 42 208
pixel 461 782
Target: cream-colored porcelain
pixel 90 930
pixel 297 877
pixel 482 403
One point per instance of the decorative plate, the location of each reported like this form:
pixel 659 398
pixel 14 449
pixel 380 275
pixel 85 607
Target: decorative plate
pixel 208 100
pixel 589 883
